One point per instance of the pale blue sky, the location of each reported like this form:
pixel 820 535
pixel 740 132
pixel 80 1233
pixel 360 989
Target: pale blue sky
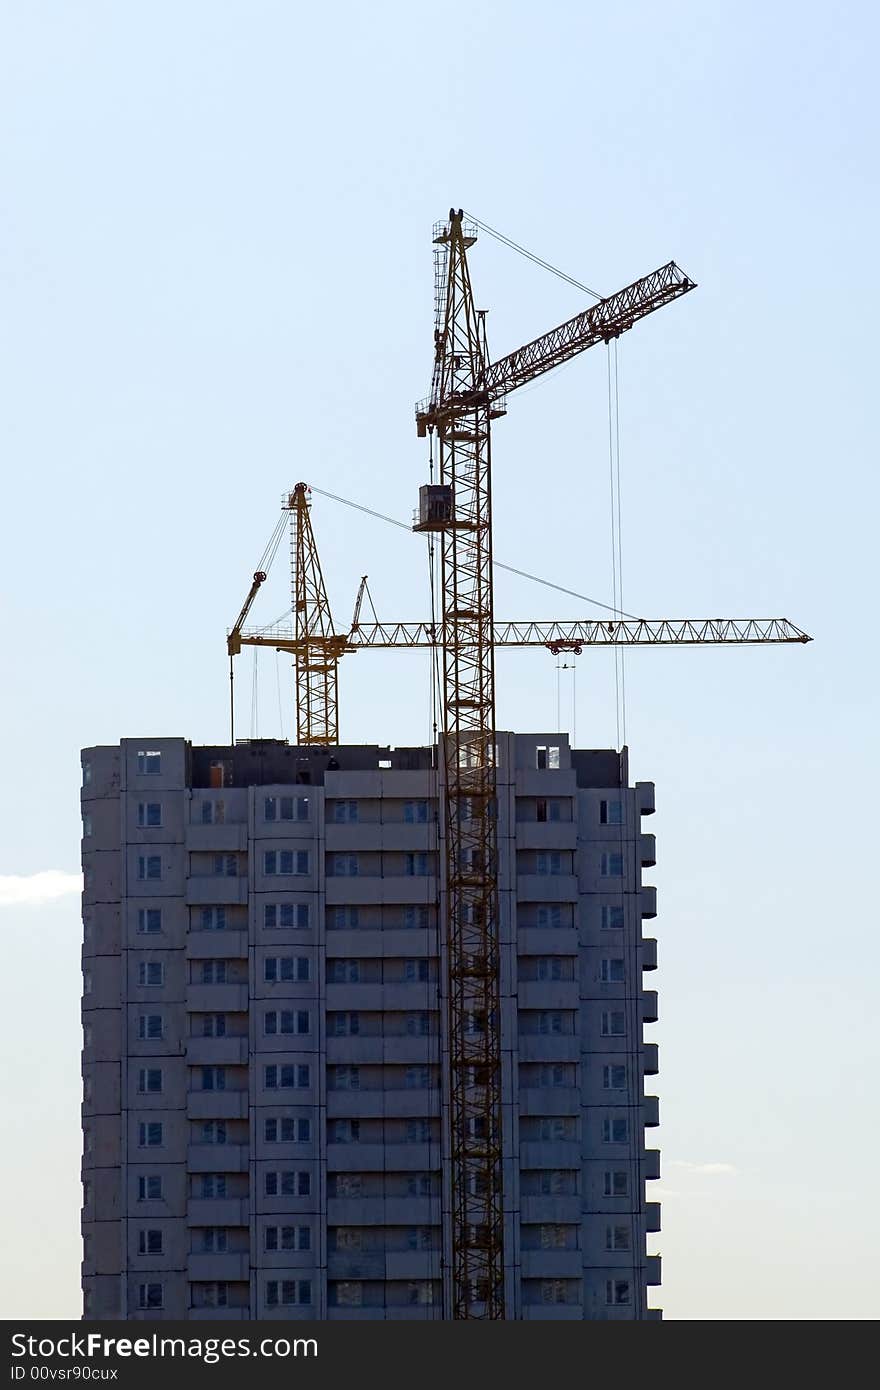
pixel 216 280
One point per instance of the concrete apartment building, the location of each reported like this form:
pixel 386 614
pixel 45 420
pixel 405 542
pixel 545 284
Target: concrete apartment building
pixel 263 1049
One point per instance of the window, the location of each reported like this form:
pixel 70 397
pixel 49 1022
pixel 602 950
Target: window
pixel 151 972
pixel 286 1078
pixel 611 918
pixel 418 1025
pixel 214 1132
pixel 611 970
pixel 286 808
pixel 615 1129
pixel 418 1184
pixel 213 972
pixel 291 915
pixel 549 916
pixel 226 865
pixel 213 1295
pixel 288 1292
pixel 149 866
pixel 416 865
pixel 286 968
pixel 348 1238
pixel 613 1023
pixel 287 1129
pixel 416 970
pixel 415 812
pixel 556 1074
pixel 149 920
pixel 346 1184
pixel 616 1183
pixel 213 918
pixel 150 1027
pixel 87 826
pixel 345 812
pixel 346 1078
pixel 287 1021
pixel 611 866
pixel 149 763
pixel 213 812
pixel 213 1025
pixel 213 1185
pixel 556 1127
pixel 150 1242
pixel 611 813
pixel 617 1237
pixel 214 1240
pixel 285 861
pixel 417 1078
pixel 547 758
pixel 290 1182
pixel 149 1080
pixel 550 968
pixel 416 917
pixel 344 1131
pixel 213 1078
pixel 552 1290
pixel 552 1237
pixel 614 1078
pixel 149 1135
pixel 345 917
pixel 549 863
pixel 150 1187
pixel 149 814
pixel 343 972
pixel 550 1022
pixel 555 1183
pixel 618 1291
pixel 420 1238
pixel 420 1291
pixel 344 865
pixel 345 1025
pixel 287 1238
pixel 150 1295
pixel 418 1131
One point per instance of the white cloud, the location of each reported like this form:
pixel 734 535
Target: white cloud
pixel 709 1170
pixel 44 887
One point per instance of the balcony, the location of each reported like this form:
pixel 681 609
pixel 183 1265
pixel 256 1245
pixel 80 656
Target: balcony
pixel 219 999
pixel 390 941
pixel 413 1264
pixel 356 1264
pixel 372 1104
pixel 540 1100
pixel 382 1211
pixel 649 953
pixel 213 890
pixel 550 1153
pixel 648 896
pixel 650 1057
pixel 399 836
pixel 547 888
pixel 363 1158
pixel 217 1051
pixel 389 1050
pixel 546 834
pixel 547 941
pixel 652 1269
pixel 219 1314
pixel 219 1211
pixel 650 1163
pixel 232 945
pixel 232 1267
pixel 548 994
pixel 649 1005
pixel 651 1111
pixel 645 798
pixel 551 1209
pixel 217 1105
pixel 539 1047
pixel 552 1264
pixel 652 1216
pixel 403 889
pixel 217 1158
pixel 217 838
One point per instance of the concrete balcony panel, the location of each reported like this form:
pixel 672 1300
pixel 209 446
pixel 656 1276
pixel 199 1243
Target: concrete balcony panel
pixel 547 941
pixel 648 896
pixel 397 836
pixel 555 1153
pixel 549 994
pixel 366 998
pixel 648 948
pixel 650 1163
pixel 645 798
pixel 539 1047
pixel 222 1314
pixel 216 890
pixel 553 1312
pixel 552 1264
pixel 220 999
pixel 229 1266
pixel 649 1005
pixel 547 888
pixel 358 1158
pixel 217 1051
pixel 546 835
pixel 372 1104
pixel 652 1216
pixel 217 1158
pixel 551 1209
pixel 217 1105
pixel 231 945
pixel 365 1050
pixel 545 782
pixel 650 1058
pixel 352 892
pixel 412 1264
pixel 651 1111
pixel 550 1100
pixel 356 1264
pixel 383 1211
pixel 412 1158
pixel 647 848
pixel 219 1211
pixel 389 941
pixel 221 839
pixel 652 1270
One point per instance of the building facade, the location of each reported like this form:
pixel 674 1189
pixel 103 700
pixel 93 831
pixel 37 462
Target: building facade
pixel 263 1048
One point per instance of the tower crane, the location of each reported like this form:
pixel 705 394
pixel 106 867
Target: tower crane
pixel 468 392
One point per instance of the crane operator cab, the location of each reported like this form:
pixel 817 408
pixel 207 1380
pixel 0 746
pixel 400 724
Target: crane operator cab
pixel 436 508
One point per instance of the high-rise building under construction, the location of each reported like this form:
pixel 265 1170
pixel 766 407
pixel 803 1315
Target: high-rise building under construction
pixel 265 1059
